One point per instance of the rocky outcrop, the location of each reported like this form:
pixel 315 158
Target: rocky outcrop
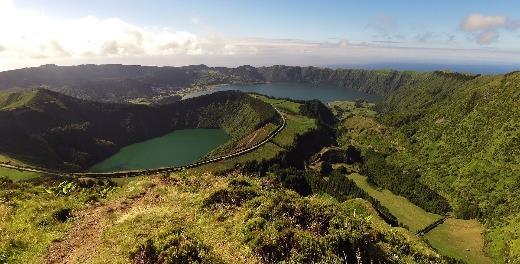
pixel 349 155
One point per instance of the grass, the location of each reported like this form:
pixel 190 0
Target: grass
pixel 297 124
pixel 342 109
pixel 460 239
pixel 286 106
pixel 407 213
pixel 148 207
pixel 16 175
pixel 267 151
pixel 27 224
pixel 11 100
pixel 179 206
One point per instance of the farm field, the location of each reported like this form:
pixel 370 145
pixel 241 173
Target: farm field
pixel 410 215
pixel 460 239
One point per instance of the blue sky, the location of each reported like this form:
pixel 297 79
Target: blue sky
pixel 270 32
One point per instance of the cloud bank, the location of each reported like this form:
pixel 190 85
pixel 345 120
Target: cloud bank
pixel 29 38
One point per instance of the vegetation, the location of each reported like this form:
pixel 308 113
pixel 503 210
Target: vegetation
pixel 373 138
pixel 168 219
pixel 174 247
pixel 134 83
pixel 379 82
pixel 31 218
pixel 464 141
pixel 288 147
pixel 461 239
pixel 406 213
pixel 56 131
pixel 440 142
pixel 16 175
pixel 404 183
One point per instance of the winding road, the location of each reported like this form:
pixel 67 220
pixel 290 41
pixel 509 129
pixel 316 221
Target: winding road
pixel 132 173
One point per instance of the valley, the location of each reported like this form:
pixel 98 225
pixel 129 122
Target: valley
pixel 415 151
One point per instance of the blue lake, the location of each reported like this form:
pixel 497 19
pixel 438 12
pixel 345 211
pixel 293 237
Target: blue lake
pixel 300 91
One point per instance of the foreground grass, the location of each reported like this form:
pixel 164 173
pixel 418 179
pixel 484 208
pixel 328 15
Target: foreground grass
pixel 230 219
pixel 407 213
pixel 29 219
pixel 460 239
pixel 167 207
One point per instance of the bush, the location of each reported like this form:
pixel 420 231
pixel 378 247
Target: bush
pixel 236 193
pixel 294 179
pixel 287 228
pixel 385 175
pixel 174 247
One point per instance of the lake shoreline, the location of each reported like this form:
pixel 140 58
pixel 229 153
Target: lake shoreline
pixel 177 148
pixel 293 90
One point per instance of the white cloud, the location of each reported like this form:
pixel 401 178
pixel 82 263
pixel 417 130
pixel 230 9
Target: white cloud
pixel 486 28
pixel 29 38
pixel 31 35
pixel 195 20
pixel 477 22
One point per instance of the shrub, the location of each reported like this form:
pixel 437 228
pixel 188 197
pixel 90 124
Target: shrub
pixel 383 174
pixel 294 179
pixel 174 247
pixel 287 228
pixel 236 193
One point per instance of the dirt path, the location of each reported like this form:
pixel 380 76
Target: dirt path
pixel 83 239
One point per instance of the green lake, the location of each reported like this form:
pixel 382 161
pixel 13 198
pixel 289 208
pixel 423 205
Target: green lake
pixel 178 148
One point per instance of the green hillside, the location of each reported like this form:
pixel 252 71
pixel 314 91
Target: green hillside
pixel 464 140
pixel 52 130
pixel 440 144
pixel 189 217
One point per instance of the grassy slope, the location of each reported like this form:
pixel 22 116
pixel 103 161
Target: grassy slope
pixel 16 175
pixel 460 239
pixel 11 100
pixel 148 207
pixel 45 128
pixel 365 132
pixel 297 124
pixel 27 225
pixel 467 144
pixel 457 238
pixel 414 217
